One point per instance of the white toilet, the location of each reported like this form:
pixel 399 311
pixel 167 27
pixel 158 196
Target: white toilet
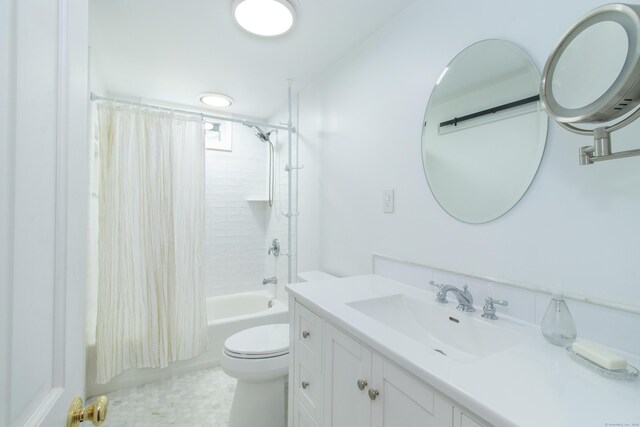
pixel 259 358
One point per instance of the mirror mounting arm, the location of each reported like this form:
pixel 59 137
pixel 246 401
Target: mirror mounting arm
pixel 588 156
pixel 601 148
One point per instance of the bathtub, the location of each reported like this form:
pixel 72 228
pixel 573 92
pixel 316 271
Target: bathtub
pixel 226 315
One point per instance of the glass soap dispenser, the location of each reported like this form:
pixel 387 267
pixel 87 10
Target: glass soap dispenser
pixel 557 325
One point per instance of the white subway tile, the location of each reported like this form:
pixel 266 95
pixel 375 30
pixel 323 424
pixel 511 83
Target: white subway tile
pixel 235 229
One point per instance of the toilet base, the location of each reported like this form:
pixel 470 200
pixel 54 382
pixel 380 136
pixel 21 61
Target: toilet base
pixel 259 403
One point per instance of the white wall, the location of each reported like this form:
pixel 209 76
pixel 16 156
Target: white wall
pixel 577 229
pixel 7 134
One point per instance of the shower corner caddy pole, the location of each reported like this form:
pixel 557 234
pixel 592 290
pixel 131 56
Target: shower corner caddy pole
pixel 289 183
pixel 297 182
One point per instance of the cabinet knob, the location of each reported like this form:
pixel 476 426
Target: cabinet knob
pixel 305 384
pixel 305 334
pixel 373 394
pixel 362 384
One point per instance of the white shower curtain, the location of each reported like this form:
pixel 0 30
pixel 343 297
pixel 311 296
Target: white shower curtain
pixel 151 299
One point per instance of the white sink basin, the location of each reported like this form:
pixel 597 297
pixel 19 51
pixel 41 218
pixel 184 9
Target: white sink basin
pixel 453 334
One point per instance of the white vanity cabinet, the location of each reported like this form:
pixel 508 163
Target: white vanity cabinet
pixel 339 382
pixel 405 401
pixel 460 419
pixel 301 417
pixel 362 389
pixel 346 363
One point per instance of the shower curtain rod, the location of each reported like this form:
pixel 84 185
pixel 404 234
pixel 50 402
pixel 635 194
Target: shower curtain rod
pixel 96 98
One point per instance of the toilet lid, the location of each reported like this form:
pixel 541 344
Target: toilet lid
pixel 259 342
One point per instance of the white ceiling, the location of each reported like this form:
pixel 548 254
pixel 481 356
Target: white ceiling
pixel 172 50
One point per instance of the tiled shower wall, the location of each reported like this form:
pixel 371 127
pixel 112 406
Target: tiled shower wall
pixel 240 229
pixel 235 226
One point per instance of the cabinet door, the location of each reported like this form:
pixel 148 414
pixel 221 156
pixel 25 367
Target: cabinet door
pixel 301 418
pixel 405 401
pixel 345 362
pixel 461 419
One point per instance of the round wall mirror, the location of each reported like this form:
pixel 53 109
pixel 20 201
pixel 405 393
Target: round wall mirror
pixel 484 131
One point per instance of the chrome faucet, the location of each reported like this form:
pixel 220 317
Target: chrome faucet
pixel 465 299
pixel 270 280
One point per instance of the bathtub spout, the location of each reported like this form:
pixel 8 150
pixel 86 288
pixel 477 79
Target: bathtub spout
pixel 270 280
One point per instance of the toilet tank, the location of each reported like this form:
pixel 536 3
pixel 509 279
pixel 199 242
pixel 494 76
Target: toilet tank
pixel 312 276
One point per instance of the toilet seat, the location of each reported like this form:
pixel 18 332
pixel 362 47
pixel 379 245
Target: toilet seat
pixel 260 342
pixel 257 354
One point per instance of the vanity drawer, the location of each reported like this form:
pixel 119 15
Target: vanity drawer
pixel 308 329
pixel 308 384
pixel 308 333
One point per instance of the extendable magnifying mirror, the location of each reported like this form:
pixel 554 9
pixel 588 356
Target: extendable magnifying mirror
pixel 593 76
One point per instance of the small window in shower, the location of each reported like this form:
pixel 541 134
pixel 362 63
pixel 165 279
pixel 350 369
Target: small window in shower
pixel 218 136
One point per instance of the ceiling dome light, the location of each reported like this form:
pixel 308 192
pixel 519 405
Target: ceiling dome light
pixel 264 17
pixel 215 100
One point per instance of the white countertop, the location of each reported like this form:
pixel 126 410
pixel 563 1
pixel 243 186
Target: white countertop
pixel 531 384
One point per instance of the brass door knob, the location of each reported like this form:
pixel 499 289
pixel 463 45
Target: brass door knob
pixel 96 412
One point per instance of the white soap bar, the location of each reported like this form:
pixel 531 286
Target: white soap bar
pixel 599 355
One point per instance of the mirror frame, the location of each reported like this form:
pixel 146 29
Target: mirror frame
pixel 609 105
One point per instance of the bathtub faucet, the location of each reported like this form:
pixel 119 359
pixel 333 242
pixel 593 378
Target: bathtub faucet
pixel 269 280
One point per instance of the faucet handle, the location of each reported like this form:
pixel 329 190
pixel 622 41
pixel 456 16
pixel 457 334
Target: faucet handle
pixel 489 310
pixel 502 302
pixel 440 295
pixel 437 285
pixel 275 248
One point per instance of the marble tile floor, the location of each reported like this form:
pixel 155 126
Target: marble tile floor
pixel 197 399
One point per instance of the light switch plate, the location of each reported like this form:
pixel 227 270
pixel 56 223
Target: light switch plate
pixel 387 201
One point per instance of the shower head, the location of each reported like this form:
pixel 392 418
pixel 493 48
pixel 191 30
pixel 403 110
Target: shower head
pixel 261 134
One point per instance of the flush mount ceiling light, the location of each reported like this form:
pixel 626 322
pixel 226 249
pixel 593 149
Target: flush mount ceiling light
pixel 264 17
pixel 215 100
